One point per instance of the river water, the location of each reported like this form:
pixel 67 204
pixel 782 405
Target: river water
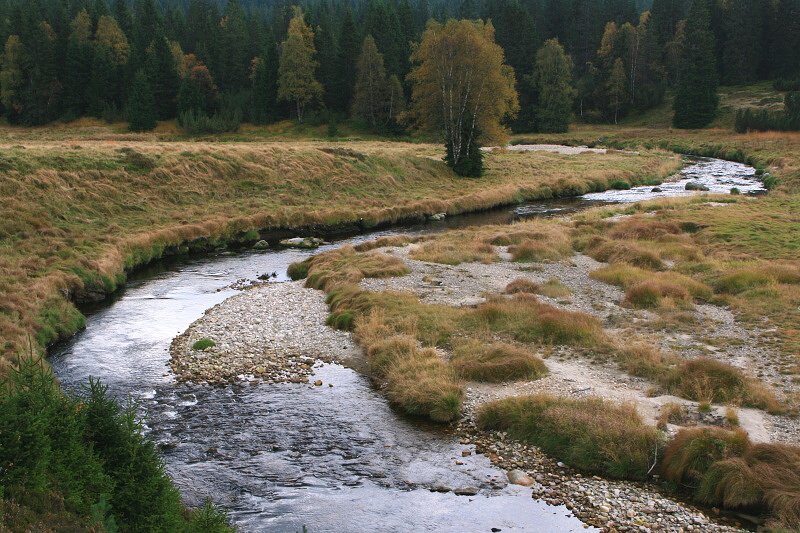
pixel 336 459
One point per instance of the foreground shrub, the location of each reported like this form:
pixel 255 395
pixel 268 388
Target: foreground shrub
pixel 589 434
pixel 82 456
pixel 496 362
pixel 709 380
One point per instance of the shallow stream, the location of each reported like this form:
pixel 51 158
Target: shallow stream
pixel 334 459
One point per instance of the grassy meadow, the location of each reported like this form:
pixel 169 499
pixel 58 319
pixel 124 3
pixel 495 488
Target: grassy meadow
pixel 85 203
pixel 83 206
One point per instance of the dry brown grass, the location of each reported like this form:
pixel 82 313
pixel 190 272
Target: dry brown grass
pixel 451 250
pixel 80 211
pixel 522 285
pixel 346 266
pixel 709 380
pixel 523 318
pixel 496 362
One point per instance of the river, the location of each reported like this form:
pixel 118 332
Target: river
pixel 281 457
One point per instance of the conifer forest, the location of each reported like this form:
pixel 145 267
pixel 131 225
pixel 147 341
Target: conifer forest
pixel 214 64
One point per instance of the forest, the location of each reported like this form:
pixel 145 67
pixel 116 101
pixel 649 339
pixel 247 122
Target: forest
pixel 212 65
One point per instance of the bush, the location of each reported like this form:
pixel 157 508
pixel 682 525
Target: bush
pixel 85 455
pixel 590 434
pixel 196 122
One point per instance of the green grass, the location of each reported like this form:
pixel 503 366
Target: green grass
pixel 203 344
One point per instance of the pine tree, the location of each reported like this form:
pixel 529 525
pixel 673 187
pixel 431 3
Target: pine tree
pixel 348 48
pixel 553 81
pixel 141 107
pixel 12 77
pixel 265 84
pixel 296 81
pixel 377 99
pixel 163 78
pixel 78 65
pixel 696 99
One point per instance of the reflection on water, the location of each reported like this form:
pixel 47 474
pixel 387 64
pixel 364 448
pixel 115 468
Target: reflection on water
pixel 282 456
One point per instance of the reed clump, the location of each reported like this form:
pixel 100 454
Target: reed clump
pixel 588 434
pixel 705 379
pixel 524 318
pixel 722 467
pixel 496 362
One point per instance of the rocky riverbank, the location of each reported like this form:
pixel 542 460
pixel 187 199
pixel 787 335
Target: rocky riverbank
pixel 275 332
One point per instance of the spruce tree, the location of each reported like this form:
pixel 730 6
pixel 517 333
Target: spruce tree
pixel 141 105
pixel 265 84
pixel 553 82
pixel 696 99
pixel 349 46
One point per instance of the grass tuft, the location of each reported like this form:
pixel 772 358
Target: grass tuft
pixel 650 294
pixel 522 285
pixel 692 451
pixel 742 280
pixel 496 362
pixel 709 380
pixel 588 434
pixel 525 319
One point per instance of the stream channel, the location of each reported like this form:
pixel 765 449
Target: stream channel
pixel 338 459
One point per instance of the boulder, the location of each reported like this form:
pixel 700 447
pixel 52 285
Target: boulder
pixel 518 477
pixel 694 186
pixel 301 242
pixel 261 245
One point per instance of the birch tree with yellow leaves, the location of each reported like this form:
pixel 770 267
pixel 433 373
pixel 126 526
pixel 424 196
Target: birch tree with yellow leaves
pixel 461 89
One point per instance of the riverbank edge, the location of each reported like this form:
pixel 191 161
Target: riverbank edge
pixel 144 250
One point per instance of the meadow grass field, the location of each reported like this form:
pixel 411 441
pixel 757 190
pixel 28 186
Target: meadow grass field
pixel 82 209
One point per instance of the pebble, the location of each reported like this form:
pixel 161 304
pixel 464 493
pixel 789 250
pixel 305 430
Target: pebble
pixel 266 346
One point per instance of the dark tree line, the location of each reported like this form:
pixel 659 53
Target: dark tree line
pixel 214 63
